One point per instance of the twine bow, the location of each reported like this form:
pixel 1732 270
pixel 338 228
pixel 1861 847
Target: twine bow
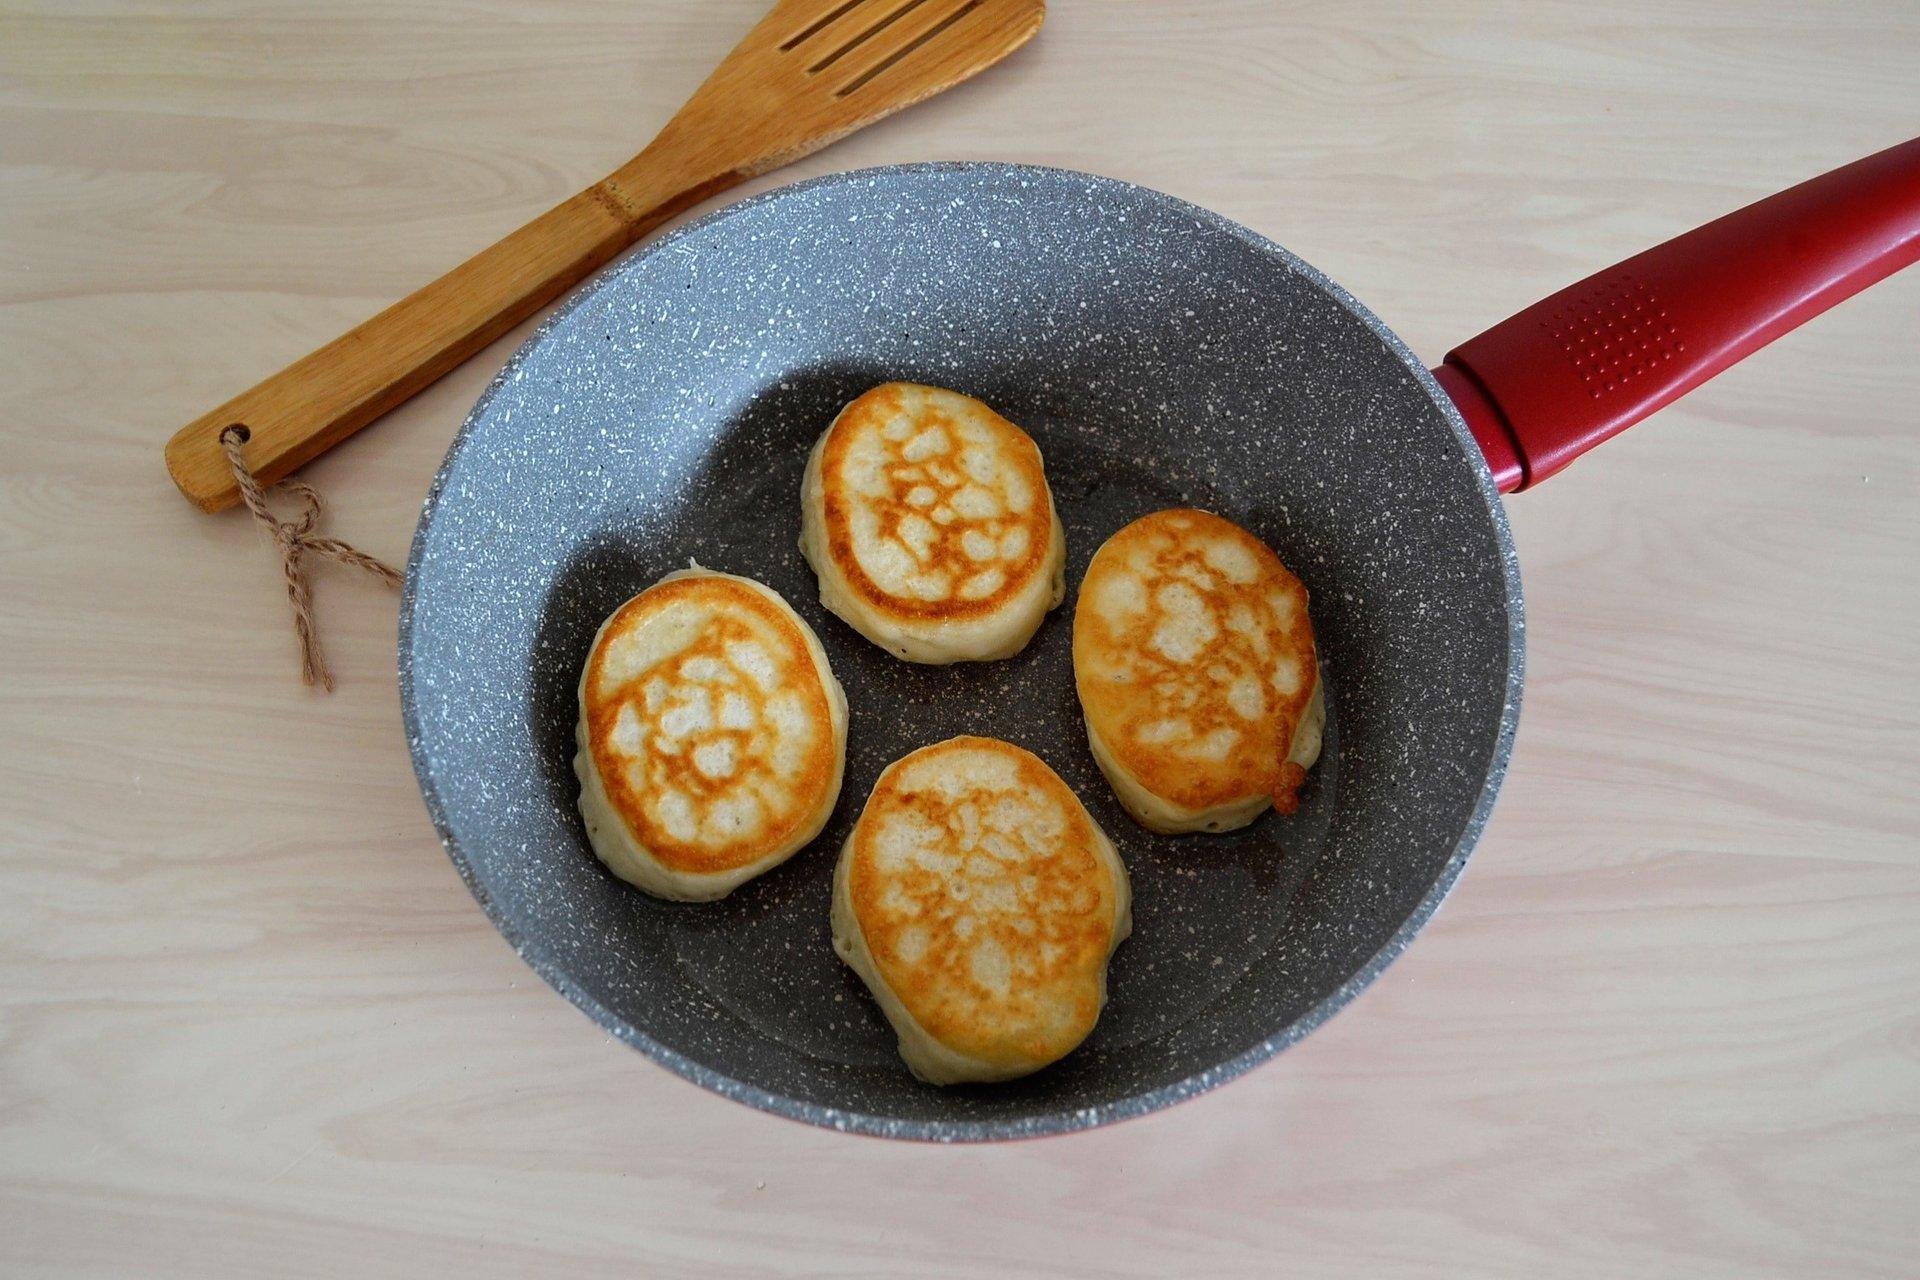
pixel 296 538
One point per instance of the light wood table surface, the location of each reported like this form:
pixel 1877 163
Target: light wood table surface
pixel 251 1023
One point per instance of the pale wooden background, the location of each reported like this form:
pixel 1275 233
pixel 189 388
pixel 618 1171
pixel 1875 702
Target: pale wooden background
pixel 250 1022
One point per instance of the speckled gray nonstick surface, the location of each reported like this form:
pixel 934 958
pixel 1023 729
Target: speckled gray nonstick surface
pixel 1160 355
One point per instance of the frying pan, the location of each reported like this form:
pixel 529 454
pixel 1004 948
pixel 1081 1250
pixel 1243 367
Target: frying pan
pixel 1160 355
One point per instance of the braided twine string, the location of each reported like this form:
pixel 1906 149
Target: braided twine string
pixel 297 540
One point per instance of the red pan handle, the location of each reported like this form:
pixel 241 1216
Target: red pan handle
pixel 1543 387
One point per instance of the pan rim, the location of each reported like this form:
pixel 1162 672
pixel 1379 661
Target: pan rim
pixel 542 961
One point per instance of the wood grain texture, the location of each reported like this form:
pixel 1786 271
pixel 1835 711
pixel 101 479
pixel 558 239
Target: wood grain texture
pixel 808 73
pixel 251 1023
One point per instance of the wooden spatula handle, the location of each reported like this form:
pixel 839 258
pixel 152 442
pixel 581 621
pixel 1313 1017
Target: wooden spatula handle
pixel 322 398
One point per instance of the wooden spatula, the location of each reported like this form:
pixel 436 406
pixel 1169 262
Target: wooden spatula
pixel 811 72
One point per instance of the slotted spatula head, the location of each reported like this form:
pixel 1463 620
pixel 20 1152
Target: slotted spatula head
pixel 810 72
pixel 813 71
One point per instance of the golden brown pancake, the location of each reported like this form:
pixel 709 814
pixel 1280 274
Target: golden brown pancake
pixel 712 736
pixel 1194 659
pixel 980 902
pixel 927 517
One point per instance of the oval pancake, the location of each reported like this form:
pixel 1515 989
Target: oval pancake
pixel 979 902
pixel 712 736
pixel 1194 659
pixel 927 517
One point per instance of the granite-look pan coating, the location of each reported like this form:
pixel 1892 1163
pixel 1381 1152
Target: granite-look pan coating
pixel 1161 356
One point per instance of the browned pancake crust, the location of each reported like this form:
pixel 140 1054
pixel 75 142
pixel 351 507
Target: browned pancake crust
pixel 1051 913
pixel 797 674
pixel 1126 683
pixel 946 553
